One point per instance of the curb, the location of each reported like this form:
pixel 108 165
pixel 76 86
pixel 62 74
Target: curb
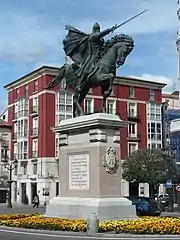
pixel 83 234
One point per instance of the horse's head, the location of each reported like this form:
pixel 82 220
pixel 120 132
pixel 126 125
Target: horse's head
pixel 124 45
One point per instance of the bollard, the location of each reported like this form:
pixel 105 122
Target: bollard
pixel 92 224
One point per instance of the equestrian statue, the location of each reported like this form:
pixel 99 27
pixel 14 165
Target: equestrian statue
pixel 95 62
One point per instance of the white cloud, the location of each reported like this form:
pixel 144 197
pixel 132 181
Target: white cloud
pixel 171 84
pixel 161 16
pixel 29 36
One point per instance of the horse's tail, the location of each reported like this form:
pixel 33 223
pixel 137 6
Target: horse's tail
pixel 58 78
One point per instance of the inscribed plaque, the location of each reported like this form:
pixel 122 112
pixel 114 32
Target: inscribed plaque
pixel 79 172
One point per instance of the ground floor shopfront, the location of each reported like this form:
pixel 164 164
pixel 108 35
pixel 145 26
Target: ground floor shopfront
pixel 24 190
pixel 39 176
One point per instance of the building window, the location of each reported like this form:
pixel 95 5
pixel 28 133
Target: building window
pixel 153 146
pixel 36 86
pixel 17 93
pixel 88 106
pixel 151 94
pixel 158 131
pixel 22 150
pixel 25 128
pixel 64 106
pixel 26 91
pixel 132 147
pixel 154 131
pixel 111 107
pixel 132 109
pixel 132 128
pixel 34 168
pixel 25 169
pixel 131 91
pixel 62 117
pixel 35 101
pixel 154 111
pixel 25 149
pixel 34 149
pixel 22 108
pixel 159 146
pixel 35 122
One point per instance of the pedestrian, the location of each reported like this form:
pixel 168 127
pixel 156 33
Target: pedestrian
pixel 36 201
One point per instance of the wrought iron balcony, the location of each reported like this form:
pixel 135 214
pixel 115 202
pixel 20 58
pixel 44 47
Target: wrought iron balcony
pixel 34 154
pixel 34 110
pixel 134 137
pixel 132 115
pixel 34 132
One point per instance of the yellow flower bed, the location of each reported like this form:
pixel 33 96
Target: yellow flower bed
pixel 144 225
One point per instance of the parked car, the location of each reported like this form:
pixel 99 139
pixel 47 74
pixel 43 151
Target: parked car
pixel 163 200
pixel 145 206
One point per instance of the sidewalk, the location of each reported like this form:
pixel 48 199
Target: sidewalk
pixel 170 214
pixel 20 208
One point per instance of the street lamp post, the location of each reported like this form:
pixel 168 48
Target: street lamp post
pixel 169 150
pixel 10 166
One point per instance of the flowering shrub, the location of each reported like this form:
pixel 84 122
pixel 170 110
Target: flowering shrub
pixel 144 225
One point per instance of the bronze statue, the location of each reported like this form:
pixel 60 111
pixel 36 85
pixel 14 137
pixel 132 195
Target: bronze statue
pixel 94 61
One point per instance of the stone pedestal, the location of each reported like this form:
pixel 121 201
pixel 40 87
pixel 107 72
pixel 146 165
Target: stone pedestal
pixel 90 170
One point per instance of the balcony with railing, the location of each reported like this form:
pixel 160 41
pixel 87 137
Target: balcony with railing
pixel 34 154
pixel 5 144
pixel 134 137
pixel 4 157
pixel 34 111
pixel 34 132
pixel 132 115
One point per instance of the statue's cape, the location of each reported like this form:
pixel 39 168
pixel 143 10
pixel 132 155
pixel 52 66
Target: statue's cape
pixel 76 45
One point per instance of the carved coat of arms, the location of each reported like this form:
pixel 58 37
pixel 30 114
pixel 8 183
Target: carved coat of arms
pixel 110 161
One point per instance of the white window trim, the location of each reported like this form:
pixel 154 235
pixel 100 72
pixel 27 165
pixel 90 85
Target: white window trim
pixel 114 105
pixel 131 134
pixel 35 120
pixel 135 105
pixel 130 143
pixel 35 102
pixel 92 103
pixel 33 145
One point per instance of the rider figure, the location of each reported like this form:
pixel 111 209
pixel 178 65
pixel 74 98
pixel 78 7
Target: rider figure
pixel 96 42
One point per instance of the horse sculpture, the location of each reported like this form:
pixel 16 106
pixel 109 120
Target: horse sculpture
pixel 113 55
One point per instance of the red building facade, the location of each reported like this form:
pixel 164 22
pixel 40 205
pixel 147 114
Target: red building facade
pixel 33 110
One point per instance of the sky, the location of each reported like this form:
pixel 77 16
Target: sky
pixel 32 33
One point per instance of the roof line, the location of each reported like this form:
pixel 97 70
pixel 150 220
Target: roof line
pixel 36 70
pixel 142 80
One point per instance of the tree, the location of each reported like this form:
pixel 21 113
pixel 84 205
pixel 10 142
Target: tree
pixel 151 166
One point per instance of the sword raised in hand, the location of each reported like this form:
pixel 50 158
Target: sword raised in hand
pixel 129 20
